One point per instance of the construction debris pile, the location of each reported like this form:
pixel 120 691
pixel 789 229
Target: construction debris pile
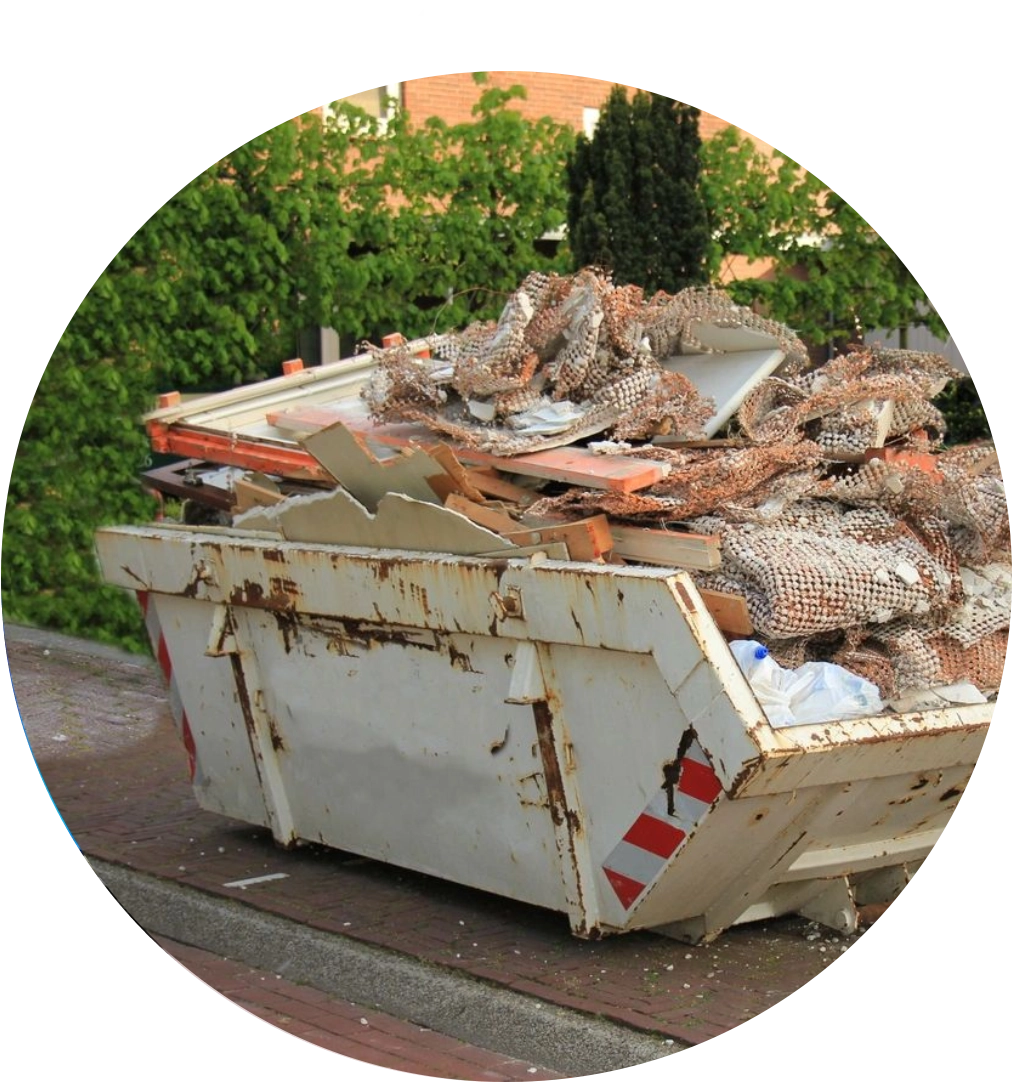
pixel 817 509
pixel 570 357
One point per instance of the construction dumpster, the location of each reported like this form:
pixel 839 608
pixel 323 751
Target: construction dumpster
pixel 474 605
pixel 574 736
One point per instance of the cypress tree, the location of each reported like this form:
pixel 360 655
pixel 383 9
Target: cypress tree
pixel 635 205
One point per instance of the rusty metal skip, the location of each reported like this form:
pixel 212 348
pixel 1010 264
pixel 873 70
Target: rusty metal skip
pixel 576 736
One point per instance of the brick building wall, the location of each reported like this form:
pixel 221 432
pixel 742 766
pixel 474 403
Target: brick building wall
pixel 562 97
pixel 565 98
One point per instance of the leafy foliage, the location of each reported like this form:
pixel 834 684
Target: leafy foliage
pixel 635 206
pixel 831 276
pixel 965 419
pixel 324 221
pixel 471 204
pixel 76 469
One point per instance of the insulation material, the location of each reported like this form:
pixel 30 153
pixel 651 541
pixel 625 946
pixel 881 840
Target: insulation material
pixel 963 488
pixel 750 483
pixel 589 348
pixel 858 400
pixel 908 656
pixel 838 518
pixel 820 567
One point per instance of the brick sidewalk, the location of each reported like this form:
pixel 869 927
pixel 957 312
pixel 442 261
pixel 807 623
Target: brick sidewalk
pixel 361 1033
pixel 106 747
pixel 133 805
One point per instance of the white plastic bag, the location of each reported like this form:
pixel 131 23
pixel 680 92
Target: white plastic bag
pixel 814 692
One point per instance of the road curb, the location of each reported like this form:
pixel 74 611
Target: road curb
pixel 453 1003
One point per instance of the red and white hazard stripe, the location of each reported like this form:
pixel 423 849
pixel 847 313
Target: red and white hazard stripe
pixel 158 644
pixel 656 834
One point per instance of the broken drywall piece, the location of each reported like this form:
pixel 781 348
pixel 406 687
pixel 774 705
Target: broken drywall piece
pixel 400 522
pixel 255 490
pixel 262 518
pixel 344 455
pixel 712 336
pixel 727 378
pixel 962 693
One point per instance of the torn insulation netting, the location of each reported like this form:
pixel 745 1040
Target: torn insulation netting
pixel 817 507
pixel 570 357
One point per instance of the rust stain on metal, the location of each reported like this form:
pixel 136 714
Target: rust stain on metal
pixel 343 630
pixel 684 595
pixel 498 568
pixel 128 571
pixel 550 762
pixel 247 593
pixel 458 659
pixel 420 595
pixel 922 781
pixel 336 643
pixel 276 742
pixel 561 813
pixel 288 625
pixel 283 592
pixel 246 708
pixel 671 771
pixel 274 556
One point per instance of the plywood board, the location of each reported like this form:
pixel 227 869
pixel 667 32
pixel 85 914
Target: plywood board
pixel 255 490
pixel 491 482
pixel 570 465
pixel 667 548
pixel 729 612
pixel 482 513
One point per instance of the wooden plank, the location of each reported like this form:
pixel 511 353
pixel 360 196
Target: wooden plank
pixel 482 514
pixel 457 478
pixel 729 612
pixel 491 482
pixel 577 466
pixel 667 548
pixel 588 539
pixel 570 465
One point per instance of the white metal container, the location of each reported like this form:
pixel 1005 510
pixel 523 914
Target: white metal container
pixel 571 735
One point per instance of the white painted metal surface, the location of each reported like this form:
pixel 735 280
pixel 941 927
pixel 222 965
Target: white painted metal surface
pixel 575 736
